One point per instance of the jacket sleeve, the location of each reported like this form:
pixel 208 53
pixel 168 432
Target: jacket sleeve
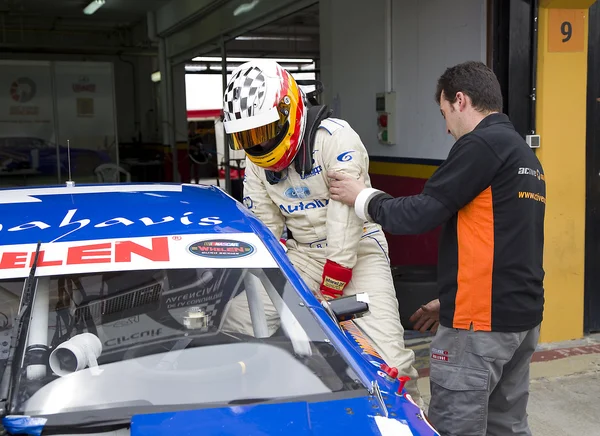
pixel 468 170
pixel 344 151
pixel 410 215
pixel 259 202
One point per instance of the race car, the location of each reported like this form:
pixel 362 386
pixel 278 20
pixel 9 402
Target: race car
pixel 16 154
pixel 169 309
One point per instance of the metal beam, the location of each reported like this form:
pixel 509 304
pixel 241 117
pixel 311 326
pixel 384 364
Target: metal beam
pixel 227 161
pixel 294 48
pixel 205 34
pixel 291 29
pixel 567 4
pixel 257 53
pixel 178 13
pixel 79 50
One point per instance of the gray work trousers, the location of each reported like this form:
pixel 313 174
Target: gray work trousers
pixel 480 382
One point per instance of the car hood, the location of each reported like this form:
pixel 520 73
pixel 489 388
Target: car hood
pixel 349 416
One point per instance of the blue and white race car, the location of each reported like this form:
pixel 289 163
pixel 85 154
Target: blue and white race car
pixel 166 309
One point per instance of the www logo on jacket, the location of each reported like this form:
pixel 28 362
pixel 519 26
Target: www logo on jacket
pixel 315 204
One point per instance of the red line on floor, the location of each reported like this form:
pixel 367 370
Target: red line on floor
pixel 546 355
pixel 561 353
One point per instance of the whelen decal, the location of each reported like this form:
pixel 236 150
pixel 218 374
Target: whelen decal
pixel 102 253
pixel 221 248
pixel 143 253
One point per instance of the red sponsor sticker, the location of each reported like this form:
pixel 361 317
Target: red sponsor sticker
pixel 439 357
pixel 106 252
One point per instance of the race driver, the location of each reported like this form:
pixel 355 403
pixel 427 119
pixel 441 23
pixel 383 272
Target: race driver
pixel 290 146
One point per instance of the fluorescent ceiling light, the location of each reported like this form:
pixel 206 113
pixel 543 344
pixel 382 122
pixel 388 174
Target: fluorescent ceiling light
pixel 93 6
pixel 273 38
pixel 244 8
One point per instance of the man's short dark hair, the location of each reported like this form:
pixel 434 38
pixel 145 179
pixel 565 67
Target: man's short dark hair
pixel 474 79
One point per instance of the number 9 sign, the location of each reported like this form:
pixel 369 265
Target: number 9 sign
pixel 566 30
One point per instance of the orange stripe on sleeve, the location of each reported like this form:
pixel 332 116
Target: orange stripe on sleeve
pixel 475 264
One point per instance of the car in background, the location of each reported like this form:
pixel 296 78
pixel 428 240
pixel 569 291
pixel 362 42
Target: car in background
pixel 31 153
pixel 167 309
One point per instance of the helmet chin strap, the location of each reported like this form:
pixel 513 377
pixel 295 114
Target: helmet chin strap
pixel 303 162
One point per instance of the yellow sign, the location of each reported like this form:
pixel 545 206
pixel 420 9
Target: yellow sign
pixel 566 30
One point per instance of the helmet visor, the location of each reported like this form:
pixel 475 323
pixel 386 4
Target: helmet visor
pixel 256 136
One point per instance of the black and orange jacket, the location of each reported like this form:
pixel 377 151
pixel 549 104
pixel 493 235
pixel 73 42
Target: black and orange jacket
pixel 490 196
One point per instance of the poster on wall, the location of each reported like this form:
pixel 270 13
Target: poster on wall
pixel 85 104
pixel 27 125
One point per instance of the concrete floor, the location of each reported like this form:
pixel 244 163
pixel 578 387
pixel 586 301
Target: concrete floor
pixel 566 405
pixel 564 393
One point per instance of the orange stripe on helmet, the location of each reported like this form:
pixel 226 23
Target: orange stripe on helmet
pixel 283 155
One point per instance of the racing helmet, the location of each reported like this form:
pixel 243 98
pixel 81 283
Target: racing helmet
pixel 264 111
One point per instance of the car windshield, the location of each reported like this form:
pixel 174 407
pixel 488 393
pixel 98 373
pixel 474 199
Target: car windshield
pixel 169 337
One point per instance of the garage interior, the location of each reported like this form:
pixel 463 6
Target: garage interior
pixel 103 96
pixel 149 135
pixel 113 91
pixel 119 42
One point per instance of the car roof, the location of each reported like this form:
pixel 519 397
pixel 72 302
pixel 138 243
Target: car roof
pixel 43 214
pixel 118 227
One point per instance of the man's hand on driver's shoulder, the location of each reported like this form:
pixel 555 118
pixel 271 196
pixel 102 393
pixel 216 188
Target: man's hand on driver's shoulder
pixel 345 188
pixel 428 316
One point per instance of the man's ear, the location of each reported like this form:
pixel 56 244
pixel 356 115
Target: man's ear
pixel 462 100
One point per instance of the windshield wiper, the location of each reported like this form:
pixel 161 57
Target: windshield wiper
pixel 245 401
pixel 18 342
pixel 33 425
pixel 110 419
pixel 99 426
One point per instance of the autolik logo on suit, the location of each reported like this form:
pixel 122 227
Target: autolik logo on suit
pixel 221 248
pixel 303 205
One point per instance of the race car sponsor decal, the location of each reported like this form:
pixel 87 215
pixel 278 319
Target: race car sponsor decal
pixel 221 248
pixel 315 171
pixel 73 222
pixel 441 355
pixel 345 156
pixel 315 204
pixel 80 254
pixel 248 202
pixel 360 339
pixel 208 299
pixel 133 337
pixel 297 192
pixel 141 253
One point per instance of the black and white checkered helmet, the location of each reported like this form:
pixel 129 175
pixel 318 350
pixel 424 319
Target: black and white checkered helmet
pixel 265 114
pixel 251 97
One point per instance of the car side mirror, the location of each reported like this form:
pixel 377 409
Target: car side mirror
pixel 350 307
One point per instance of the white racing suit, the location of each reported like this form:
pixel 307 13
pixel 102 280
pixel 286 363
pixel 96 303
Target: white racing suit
pixel 324 229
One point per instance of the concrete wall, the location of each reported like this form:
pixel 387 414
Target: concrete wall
pixel 427 37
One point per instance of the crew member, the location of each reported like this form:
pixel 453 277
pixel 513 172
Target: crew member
pixel 490 196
